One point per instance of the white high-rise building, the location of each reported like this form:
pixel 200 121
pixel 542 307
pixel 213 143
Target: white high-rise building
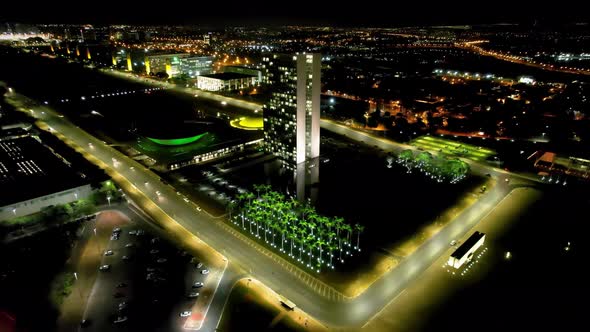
pixel 292 116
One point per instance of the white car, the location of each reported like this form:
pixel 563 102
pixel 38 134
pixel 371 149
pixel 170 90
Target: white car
pixel 158 193
pixel 453 243
pixel 198 284
pixel 205 271
pixel 185 313
pixel 105 267
pixel 108 253
pixel 120 319
pixel 193 295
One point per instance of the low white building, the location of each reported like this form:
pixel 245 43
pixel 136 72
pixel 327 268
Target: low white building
pixel 226 81
pixel 35 205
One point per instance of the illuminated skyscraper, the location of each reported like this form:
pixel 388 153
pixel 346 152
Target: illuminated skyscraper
pixel 292 116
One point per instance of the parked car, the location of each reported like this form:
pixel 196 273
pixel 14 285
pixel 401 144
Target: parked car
pixel 199 265
pixel 193 295
pixel 161 260
pixel 105 267
pixel 109 253
pixel 121 285
pixel 205 271
pixel 198 284
pixel 120 319
pixel 185 313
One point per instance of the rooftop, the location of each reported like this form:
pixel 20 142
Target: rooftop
pixel 227 76
pixel 30 168
pixel 467 245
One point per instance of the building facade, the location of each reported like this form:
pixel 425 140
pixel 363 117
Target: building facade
pixel 226 82
pixel 196 65
pixel 292 116
pixel 178 64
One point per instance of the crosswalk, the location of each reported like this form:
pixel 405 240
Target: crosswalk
pixel 314 283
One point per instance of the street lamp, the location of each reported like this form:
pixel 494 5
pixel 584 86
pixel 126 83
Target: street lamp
pixel 109 199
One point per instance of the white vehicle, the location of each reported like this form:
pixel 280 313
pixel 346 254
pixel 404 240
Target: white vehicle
pixel 205 271
pixel 120 319
pixel 198 284
pixel 105 267
pixel 185 313
pixel 199 265
pixel 185 199
pixel 193 295
pixel 158 193
pixel 108 253
pixel 453 243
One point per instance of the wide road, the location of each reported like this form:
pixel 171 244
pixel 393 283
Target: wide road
pixel 321 302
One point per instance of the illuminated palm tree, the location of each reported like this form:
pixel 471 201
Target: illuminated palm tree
pixel 310 245
pixel 319 243
pixel 359 229
pixel 292 235
pixel 331 248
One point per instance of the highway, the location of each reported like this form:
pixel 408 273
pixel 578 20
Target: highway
pixel 319 300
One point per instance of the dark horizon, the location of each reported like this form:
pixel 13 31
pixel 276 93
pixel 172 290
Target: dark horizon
pixel 266 13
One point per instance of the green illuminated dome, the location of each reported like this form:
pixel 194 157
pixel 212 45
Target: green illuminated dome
pixel 177 141
pixel 178 133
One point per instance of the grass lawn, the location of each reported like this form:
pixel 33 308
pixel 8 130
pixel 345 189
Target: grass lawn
pixel 453 148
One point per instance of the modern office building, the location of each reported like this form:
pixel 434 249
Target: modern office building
pixel 196 65
pixel 177 64
pixel 292 116
pixel 163 63
pixel 465 252
pixel 226 81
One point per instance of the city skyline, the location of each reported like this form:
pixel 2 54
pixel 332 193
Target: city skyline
pixel 373 13
pixel 175 177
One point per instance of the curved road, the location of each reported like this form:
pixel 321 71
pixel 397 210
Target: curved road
pixel 320 301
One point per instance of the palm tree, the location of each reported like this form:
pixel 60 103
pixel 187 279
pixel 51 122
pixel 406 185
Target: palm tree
pixel 302 233
pixel 310 246
pixel 348 230
pixel 257 188
pixel 331 248
pixel 292 235
pixel 328 222
pixel 319 243
pixel 359 229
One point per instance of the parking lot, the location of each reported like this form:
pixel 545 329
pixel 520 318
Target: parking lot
pixel 147 283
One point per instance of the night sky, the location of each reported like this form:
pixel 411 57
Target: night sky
pixel 281 12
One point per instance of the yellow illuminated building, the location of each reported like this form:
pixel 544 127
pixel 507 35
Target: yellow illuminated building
pixel 129 63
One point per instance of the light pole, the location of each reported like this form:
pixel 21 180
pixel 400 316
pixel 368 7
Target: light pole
pixel 79 291
pixel 109 199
